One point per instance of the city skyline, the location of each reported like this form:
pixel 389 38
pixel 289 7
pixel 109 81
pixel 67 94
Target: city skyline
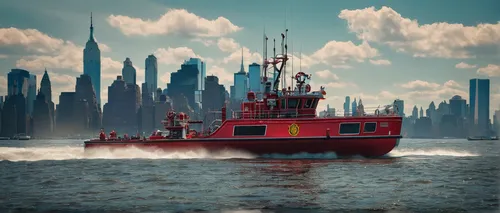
pixel 419 63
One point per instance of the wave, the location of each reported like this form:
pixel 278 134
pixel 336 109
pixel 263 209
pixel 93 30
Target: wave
pixel 430 152
pixel 72 153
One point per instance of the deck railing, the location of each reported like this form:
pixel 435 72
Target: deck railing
pixel 265 114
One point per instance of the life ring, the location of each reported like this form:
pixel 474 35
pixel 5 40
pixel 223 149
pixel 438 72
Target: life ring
pixel 298 75
pixel 308 88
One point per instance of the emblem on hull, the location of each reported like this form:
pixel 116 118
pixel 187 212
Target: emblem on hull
pixel 293 130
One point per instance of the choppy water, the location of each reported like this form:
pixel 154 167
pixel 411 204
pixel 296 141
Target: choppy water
pixel 418 176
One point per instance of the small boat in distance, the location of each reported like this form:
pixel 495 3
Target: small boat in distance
pixel 482 138
pixel 21 136
pixel 276 121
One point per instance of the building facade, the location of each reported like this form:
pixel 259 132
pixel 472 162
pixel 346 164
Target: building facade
pixel 479 97
pixel 151 75
pixel 92 62
pixel 129 72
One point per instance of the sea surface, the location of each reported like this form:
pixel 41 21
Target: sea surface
pixel 418 176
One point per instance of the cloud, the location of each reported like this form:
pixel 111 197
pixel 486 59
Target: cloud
pixel 248 58
pixel 327 75
pixel 30 39
pixel 228 45
pixel 380 62
pixel 63 59
pixel 225 77
pixel 418 84
pixel 443 40
pixel 2 56
pixel 427 91
pixel 206 42
pixel 463 65
pixel 492 70
pixel 175 56
pixel 3 85
pixel 174 21
pixel 337 53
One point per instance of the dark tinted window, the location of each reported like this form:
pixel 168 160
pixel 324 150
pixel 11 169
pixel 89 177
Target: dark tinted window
pixel 370 127
pixel 249 130
pixel 315 103
pixel 292 103
pixel 349 128
pixel 308 103
pixel 283 103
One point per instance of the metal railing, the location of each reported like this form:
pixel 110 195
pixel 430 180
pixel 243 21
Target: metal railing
pixel 266 114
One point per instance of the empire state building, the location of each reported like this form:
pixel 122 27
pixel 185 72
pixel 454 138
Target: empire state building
pixel 92 62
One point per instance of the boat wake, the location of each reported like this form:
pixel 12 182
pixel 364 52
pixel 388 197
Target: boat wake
pixel 430 152
pixel 74 153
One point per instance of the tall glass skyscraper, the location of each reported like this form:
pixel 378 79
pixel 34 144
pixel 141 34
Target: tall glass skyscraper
pixel 200 84
pixel 18 82
pixel 92 62
pixel 479 97
pixel 254 77
pixel 152 75
pixel 31 93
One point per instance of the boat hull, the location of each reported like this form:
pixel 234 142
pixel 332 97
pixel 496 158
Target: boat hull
pixel 373 146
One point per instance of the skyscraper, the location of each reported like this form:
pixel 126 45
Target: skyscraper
pixel 354 106
pixel 346 105
pixel 46 89
pixel 254 78
pixel 200 83
pixel 479 97
pixel 458 105
pixel 92 62
pixel 240 82
pixel 31 93
pixel 151 75
pixel 18 82
pixel 128 72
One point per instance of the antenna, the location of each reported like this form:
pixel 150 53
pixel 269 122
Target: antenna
pixel 274 59
pixel 291 81
pixel 286 58
pixel 300 59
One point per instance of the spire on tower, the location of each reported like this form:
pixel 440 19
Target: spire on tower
pixel 242 69
pixel 91 37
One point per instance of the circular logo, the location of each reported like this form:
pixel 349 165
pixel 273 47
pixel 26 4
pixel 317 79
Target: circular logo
pixel 293 130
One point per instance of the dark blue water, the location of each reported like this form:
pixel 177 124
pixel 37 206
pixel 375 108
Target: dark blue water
pixel 418 176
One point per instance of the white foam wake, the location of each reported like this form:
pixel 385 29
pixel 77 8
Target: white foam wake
pixel 430 152
pixel 71 153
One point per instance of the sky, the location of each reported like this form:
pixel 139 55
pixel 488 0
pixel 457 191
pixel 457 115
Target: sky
pixel 418 51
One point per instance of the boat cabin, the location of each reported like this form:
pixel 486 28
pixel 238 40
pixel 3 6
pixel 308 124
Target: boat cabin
pixel 290 104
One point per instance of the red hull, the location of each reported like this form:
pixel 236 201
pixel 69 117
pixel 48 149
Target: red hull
pixel 342 146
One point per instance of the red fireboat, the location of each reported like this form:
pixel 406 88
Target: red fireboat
pixel 278 122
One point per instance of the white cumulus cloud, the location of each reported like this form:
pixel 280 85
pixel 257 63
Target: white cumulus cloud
pixel 174 21
pixel 463 65
pixel 439 39
pixel 492 70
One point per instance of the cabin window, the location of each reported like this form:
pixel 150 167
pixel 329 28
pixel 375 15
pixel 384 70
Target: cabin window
pixel 292 103
pixel 300 104
pixel 250 130
pixel 370 127
pixel 283 103
pixel 315 103
pixel 349 128
pixel 309 103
